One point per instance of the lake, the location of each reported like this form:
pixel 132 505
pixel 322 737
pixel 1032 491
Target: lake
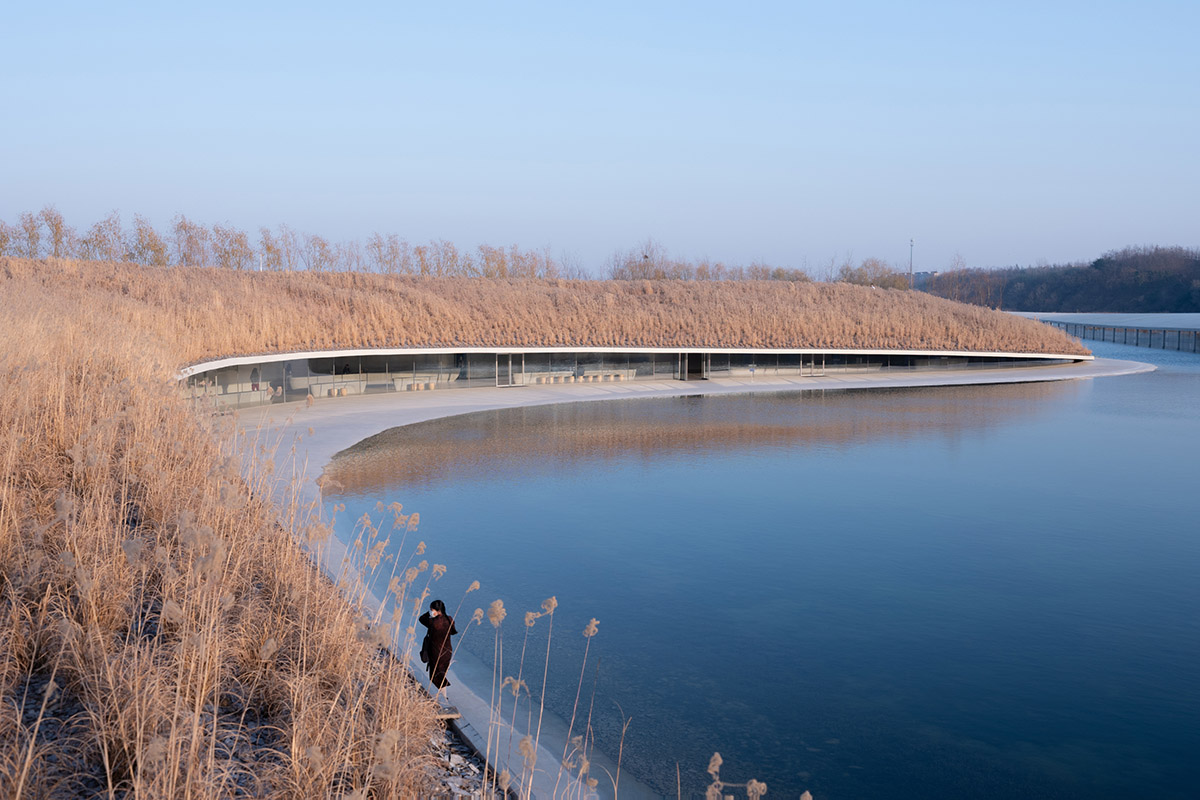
pixel 962 591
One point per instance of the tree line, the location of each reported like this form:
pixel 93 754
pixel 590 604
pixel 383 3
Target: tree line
pixel 188 243
pixel 185 242
pixel 651 262
pixel 1146 279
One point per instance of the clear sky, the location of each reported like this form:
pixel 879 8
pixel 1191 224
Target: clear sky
pixel 794 133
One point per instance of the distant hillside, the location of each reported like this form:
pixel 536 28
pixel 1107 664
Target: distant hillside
pixel 208 312
pixel 1136 279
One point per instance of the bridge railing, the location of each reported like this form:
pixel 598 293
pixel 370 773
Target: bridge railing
pixel 1158 338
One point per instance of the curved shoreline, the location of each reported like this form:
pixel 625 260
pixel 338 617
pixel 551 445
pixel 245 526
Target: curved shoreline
pixel 339 425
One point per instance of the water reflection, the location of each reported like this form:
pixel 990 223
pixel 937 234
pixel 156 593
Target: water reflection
pixel 523 443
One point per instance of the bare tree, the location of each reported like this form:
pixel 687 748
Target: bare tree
pixel 954 277
pixel 145 244
pixel 570 266
pixel 646 262
pixel 289 248
pixel 317 255
pixel 377 253
pixel 191 242
pixel 30 240
pixel 549 266
pixel 493 262
pixel 443 257
pixel 872 272
pixel 270 249
pixel 390 254
pixel 231 247
pixel 421 260
pixel 349 256
pixel 104 241
pixel 61 236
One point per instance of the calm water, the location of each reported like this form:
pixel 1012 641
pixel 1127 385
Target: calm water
pixel 987 592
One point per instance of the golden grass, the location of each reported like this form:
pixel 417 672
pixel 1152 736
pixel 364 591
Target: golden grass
pixel 203 313
pixel 162 634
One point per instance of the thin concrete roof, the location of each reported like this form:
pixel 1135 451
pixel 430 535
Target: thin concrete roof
pixel 265 358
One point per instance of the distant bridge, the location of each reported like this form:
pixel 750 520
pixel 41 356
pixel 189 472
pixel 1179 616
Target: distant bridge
pixel 1181 336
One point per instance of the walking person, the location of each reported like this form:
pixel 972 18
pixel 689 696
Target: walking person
pixel 436 650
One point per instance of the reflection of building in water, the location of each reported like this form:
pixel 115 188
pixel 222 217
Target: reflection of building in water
pixel 526 442
pixel 255 380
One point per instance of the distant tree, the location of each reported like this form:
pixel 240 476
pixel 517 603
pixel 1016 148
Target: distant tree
pixel 549 267
pixel 30 239
pixel 269 250
pixel 104 241
pixel 145 244
pixel 230 247
pixel 388 254
pixel 443 258
pixel 794 275
pixel 1134 279
pixel 378 254
pixel 570 266
pixel 650 262
pixel 707 270
pixel 953 277
pixel 349 256
pixel 191 242
pixel 872 272
pixel 289 248
pixel 61 237
pixel 492 262
pixel 647 262
pixel 422 263
pixel 7 238
pixel 317 255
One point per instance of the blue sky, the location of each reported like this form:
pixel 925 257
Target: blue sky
pixel 793 133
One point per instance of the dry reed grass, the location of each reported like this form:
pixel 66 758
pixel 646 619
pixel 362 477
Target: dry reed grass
pixel 203 313
pixel 162 634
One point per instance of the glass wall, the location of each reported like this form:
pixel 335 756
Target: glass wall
pixel 341 376
pixel 545 368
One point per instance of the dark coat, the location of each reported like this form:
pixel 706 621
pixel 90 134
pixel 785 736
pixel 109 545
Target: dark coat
pixel 435 650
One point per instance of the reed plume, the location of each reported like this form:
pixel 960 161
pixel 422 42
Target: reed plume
pixel 155 605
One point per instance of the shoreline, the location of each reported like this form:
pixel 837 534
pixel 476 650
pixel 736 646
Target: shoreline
pixel 340 424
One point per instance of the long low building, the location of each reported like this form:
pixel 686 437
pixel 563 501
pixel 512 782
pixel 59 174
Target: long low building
pixel 256 380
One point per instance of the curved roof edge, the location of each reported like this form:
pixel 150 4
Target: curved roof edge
pixel 263 358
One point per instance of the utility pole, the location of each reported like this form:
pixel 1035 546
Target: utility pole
pixel 910 275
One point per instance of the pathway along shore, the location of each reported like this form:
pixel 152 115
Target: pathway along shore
pixel 340 423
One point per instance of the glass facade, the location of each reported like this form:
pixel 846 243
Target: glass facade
pixel 292 380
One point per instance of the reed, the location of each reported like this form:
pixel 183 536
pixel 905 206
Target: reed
pixel 574 750
pixel 204 313
pixel 162 631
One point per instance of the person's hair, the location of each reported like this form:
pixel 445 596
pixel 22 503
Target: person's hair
pixel 438 606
